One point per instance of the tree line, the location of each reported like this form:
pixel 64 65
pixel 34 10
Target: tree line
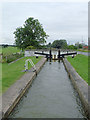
pixel 62 44
pixel 32 35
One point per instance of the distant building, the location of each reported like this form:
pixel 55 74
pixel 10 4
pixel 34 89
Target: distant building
pixel 85 47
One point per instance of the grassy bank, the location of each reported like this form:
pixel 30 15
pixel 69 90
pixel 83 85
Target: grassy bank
pixel 12 72
pixel 80 63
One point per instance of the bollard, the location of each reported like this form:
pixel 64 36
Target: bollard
pixel 72 56
pixel 36 56
pixel 54 57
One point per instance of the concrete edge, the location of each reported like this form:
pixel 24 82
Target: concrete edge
pixel 10 106
pixel 80 85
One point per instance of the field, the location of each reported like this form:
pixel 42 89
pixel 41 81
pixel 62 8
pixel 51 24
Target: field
pixel 10 54
pixel 80 63
pixel 9 50
pixel 12 72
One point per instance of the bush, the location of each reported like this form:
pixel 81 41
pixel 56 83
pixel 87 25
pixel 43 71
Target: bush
pixel 30 47
pixel 14 57
pixel 4 59
pixel 11 57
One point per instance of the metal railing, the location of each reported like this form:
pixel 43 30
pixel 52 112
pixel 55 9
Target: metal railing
pixel 32 64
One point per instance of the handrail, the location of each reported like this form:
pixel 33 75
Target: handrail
pixel 32 64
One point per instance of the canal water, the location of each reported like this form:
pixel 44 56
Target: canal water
pixel 51 96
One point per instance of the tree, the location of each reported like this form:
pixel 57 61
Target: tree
pixel 31 34
pixel 78 45
pixel 59 44
pixel 72 47
pixel 49 44
pixel 4 45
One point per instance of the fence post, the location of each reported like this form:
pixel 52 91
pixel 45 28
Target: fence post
pixel 58 53
pixel 50 53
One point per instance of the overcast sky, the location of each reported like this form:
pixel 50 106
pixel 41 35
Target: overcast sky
pixel 60 20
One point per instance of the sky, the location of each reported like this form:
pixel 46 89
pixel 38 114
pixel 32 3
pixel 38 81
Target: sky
pixel 60 20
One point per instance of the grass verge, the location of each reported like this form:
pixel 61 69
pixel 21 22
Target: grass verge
pixel 80 63
pixel 83 50
pixel 13 72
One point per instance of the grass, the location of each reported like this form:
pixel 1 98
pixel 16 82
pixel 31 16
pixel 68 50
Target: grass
pixel 12 72
pixel 83 50
pixel 9 50
pixel 80 63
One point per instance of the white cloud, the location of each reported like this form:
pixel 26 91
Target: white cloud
pixel 60 19
pixel 45 1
